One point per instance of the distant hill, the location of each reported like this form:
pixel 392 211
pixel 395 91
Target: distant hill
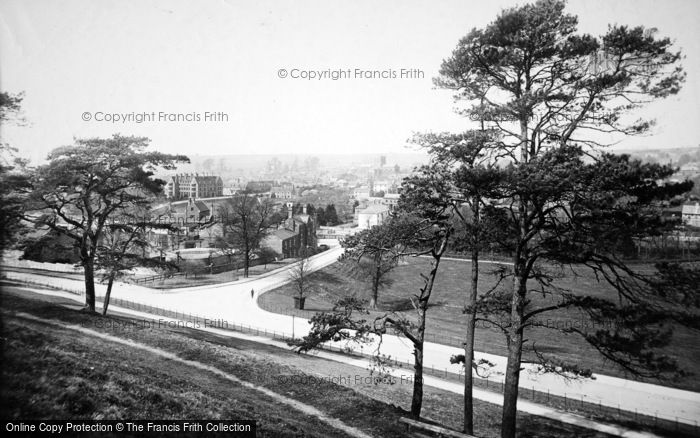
pixel 241 165
pixel 326 160
pixel 675 156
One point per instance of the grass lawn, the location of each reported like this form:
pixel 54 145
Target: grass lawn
pixel 53 373
pixel 444 322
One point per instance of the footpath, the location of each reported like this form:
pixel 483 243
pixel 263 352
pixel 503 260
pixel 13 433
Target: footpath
pixel 232 302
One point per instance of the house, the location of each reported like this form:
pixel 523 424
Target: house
pixel 196 211
pixel 187 221
pixel 691 214
pixel 372 216
pixel 183 186
pixel 284 242
pixel 389 199
pixel 180 213
pixel 380 186
pixel 362 192
pixel 293 235
pixel 306 227
pixel 333 235
pixel 283 191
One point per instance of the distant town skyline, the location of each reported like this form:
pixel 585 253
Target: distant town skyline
pixel 276 77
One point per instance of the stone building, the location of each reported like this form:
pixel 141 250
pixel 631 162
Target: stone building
pixel 293 235
pixel 193 185
pixel 283 191
pixel 372 216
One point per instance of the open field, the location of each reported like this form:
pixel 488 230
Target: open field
pixel 444 318
pixel 56 373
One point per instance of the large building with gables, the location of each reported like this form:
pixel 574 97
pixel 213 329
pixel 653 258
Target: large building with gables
pixel 194 185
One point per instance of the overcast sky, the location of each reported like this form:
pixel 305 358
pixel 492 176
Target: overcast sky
pixel 89 59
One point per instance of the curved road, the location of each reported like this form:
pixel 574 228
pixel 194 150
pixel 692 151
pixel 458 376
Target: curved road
pixel 232 302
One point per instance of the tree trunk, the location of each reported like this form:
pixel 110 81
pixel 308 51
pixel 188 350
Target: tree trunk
pixel 470 319
pixel 89 284
pixel 515 348
pixel 515 333
pixel 375 288
pixel 419 342
pixel 105 305
pixel 246 263
pixel 417 400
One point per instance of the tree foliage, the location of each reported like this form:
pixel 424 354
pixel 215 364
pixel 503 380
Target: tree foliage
pixel 466 166
pixel 331 216
pixel 10 106
pixel 247 220
pixel 124 246
pixel 89 183
pixel 14 177
pixel 539 82
pixel 300 277
pixel 368 258
pixel 421 226
pixel 549 92
pixel 579 214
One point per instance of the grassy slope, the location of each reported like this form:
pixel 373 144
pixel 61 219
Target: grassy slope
pixel 444 322
pixel 52 373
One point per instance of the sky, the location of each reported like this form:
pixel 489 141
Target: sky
pixel 234 75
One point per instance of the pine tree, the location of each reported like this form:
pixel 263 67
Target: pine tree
pixel 544 87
